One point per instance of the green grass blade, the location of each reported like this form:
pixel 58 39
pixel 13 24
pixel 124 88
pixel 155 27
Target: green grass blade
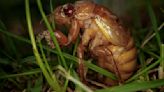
pixel 89 65
pixel 100 70
pixel 151 36
pixel 150 53
pixel 44 59
pixel 21 74
pixel 144 70
pixel 153 21
pixel 15 36
pixel 133 87
pixel 162 56
pixel 69 77
pixel 75 46
pixel 161 67
pixel 51 34
pixel 143 64
pixel 51 9
pixel 53 84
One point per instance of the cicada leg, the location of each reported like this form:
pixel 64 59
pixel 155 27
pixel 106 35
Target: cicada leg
pixel 61 38
pixel 81 67
pixel 73 31
pixel 106 61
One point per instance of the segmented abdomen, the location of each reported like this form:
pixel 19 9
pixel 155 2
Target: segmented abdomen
pixel 124 59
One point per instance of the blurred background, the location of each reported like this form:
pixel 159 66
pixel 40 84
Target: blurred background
pixel 15 54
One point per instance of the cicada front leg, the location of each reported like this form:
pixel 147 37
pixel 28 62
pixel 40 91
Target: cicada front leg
pixel 73 31
pixel 61 38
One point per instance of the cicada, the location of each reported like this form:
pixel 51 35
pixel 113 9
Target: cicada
pixel 101 35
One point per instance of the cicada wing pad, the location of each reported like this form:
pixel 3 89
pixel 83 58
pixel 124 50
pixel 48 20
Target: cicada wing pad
pixel 115 33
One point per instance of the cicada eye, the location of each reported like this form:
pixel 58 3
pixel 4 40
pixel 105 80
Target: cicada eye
pixel 68 10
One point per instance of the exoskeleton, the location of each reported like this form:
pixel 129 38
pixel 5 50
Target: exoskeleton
pixel 102 36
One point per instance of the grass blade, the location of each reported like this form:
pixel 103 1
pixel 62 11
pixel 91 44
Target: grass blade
pixel 69 77
pixel 21 74
pixel 53 84
pixel 144 70
pixel 161 67
pixel 153 21
pixel 162 56
pixel 133 87
pixel 52 34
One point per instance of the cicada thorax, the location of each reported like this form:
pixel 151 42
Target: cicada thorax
pixel 84 10
pixel 110 26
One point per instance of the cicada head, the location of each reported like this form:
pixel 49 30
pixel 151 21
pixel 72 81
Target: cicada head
pixel 64 13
